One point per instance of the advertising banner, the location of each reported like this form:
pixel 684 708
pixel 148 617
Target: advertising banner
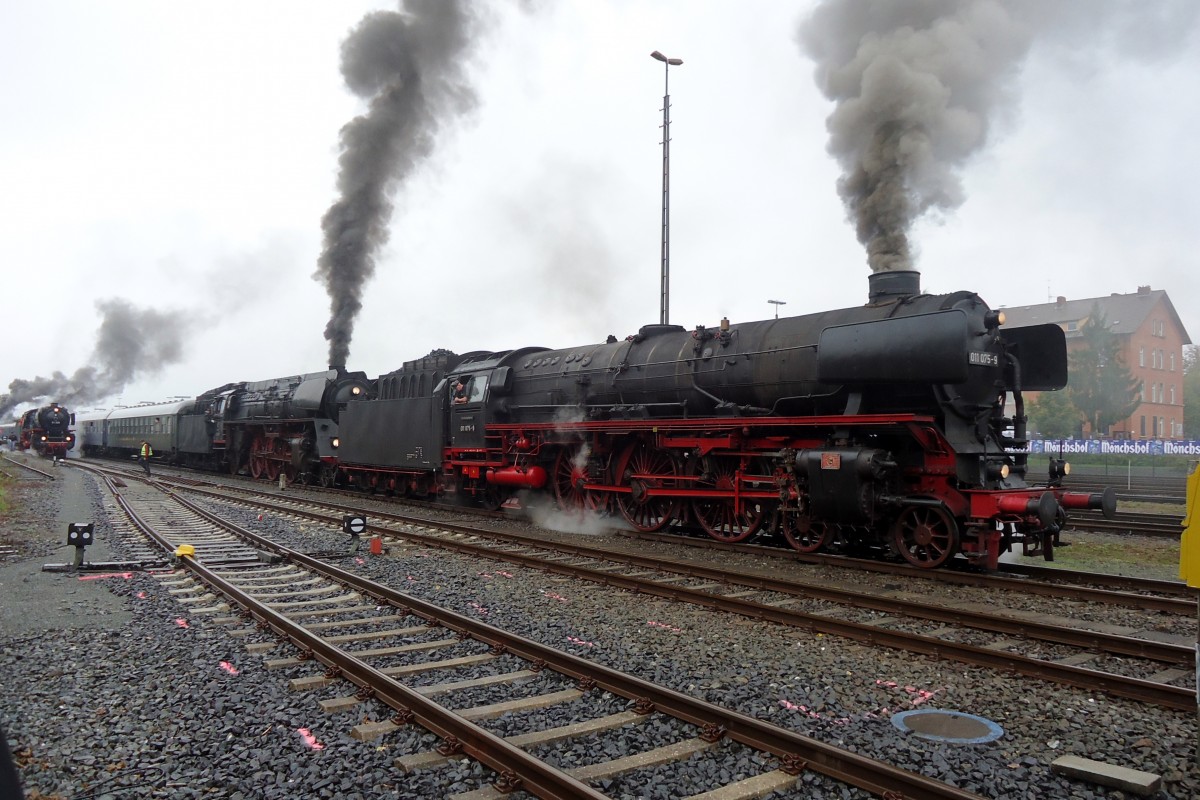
pixel 1123 447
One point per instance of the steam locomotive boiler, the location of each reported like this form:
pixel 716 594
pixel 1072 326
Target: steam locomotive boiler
pixel 47 431
pixel 880 427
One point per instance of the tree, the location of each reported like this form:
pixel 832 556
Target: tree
pixel 1099 383
pixel 1053 416
pixel 1191 392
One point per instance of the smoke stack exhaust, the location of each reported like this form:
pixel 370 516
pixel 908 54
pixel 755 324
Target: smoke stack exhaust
pixel 897 283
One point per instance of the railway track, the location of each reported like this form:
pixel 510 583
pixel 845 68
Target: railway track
pixel 1173 597
pixel 1124 665
pixel 23 464
pixel 1132 523
pixel 343 622
pixel 1076 580
pixel 1165 489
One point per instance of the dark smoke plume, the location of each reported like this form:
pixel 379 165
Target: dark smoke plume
pixel 410 65
pixel 915 83
pixel 130 343
pixel 918 84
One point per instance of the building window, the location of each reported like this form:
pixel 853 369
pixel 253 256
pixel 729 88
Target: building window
pixel 1141 356
pixel 1172 362
pixel 1143 426
pixel 1072 326
pixel 1172 395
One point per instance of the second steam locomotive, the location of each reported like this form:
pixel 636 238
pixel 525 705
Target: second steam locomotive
pixel 877 428
pixel 46 430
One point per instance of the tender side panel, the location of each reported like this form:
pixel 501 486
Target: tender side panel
pixel 404 433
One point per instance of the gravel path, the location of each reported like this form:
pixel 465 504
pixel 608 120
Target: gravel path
pixel 112 690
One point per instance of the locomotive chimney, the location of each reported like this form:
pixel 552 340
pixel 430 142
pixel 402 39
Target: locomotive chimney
pixel 894 283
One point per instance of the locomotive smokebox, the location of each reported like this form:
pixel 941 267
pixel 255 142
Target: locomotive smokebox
pixel 886 286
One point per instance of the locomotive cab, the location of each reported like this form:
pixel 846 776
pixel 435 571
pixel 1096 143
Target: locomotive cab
pixel 464 397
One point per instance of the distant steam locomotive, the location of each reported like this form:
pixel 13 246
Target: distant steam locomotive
pixel 46 430
pixel 282 426
pixel 878 428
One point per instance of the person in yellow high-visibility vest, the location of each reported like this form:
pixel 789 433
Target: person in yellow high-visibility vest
pixel 1189 542
pixel 144 456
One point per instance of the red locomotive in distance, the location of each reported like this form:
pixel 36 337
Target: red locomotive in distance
pixel 47 431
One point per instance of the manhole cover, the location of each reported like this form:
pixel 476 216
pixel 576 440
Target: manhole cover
pixel 948 726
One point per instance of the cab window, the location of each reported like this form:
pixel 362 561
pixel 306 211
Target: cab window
pixel 476 388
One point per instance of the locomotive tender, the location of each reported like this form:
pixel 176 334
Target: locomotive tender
pixel 46 430
pixel 879 428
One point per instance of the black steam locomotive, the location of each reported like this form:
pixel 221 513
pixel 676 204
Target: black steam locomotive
pixel 267 428
pixel 882 427
pixel 895 427
pixel 283 426
pixel 46 430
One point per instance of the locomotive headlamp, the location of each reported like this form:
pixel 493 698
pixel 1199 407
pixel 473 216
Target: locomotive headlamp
pixel 357 390
pixel 994 319
pixel 335 442
pixel 998 471
pixel 1059 469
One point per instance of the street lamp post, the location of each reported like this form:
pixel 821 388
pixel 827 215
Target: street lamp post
pixel 665 282
pixel 777 304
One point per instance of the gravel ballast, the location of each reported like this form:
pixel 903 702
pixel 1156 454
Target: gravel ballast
pixel 112 688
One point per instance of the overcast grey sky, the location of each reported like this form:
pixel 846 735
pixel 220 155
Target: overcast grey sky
pixel 180 156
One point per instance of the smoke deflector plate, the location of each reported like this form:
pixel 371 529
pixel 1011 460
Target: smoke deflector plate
pixel 948 726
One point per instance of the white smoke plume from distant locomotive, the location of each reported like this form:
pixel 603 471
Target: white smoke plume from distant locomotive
pixel 130 342
pixel 410 65
pixel 918 85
